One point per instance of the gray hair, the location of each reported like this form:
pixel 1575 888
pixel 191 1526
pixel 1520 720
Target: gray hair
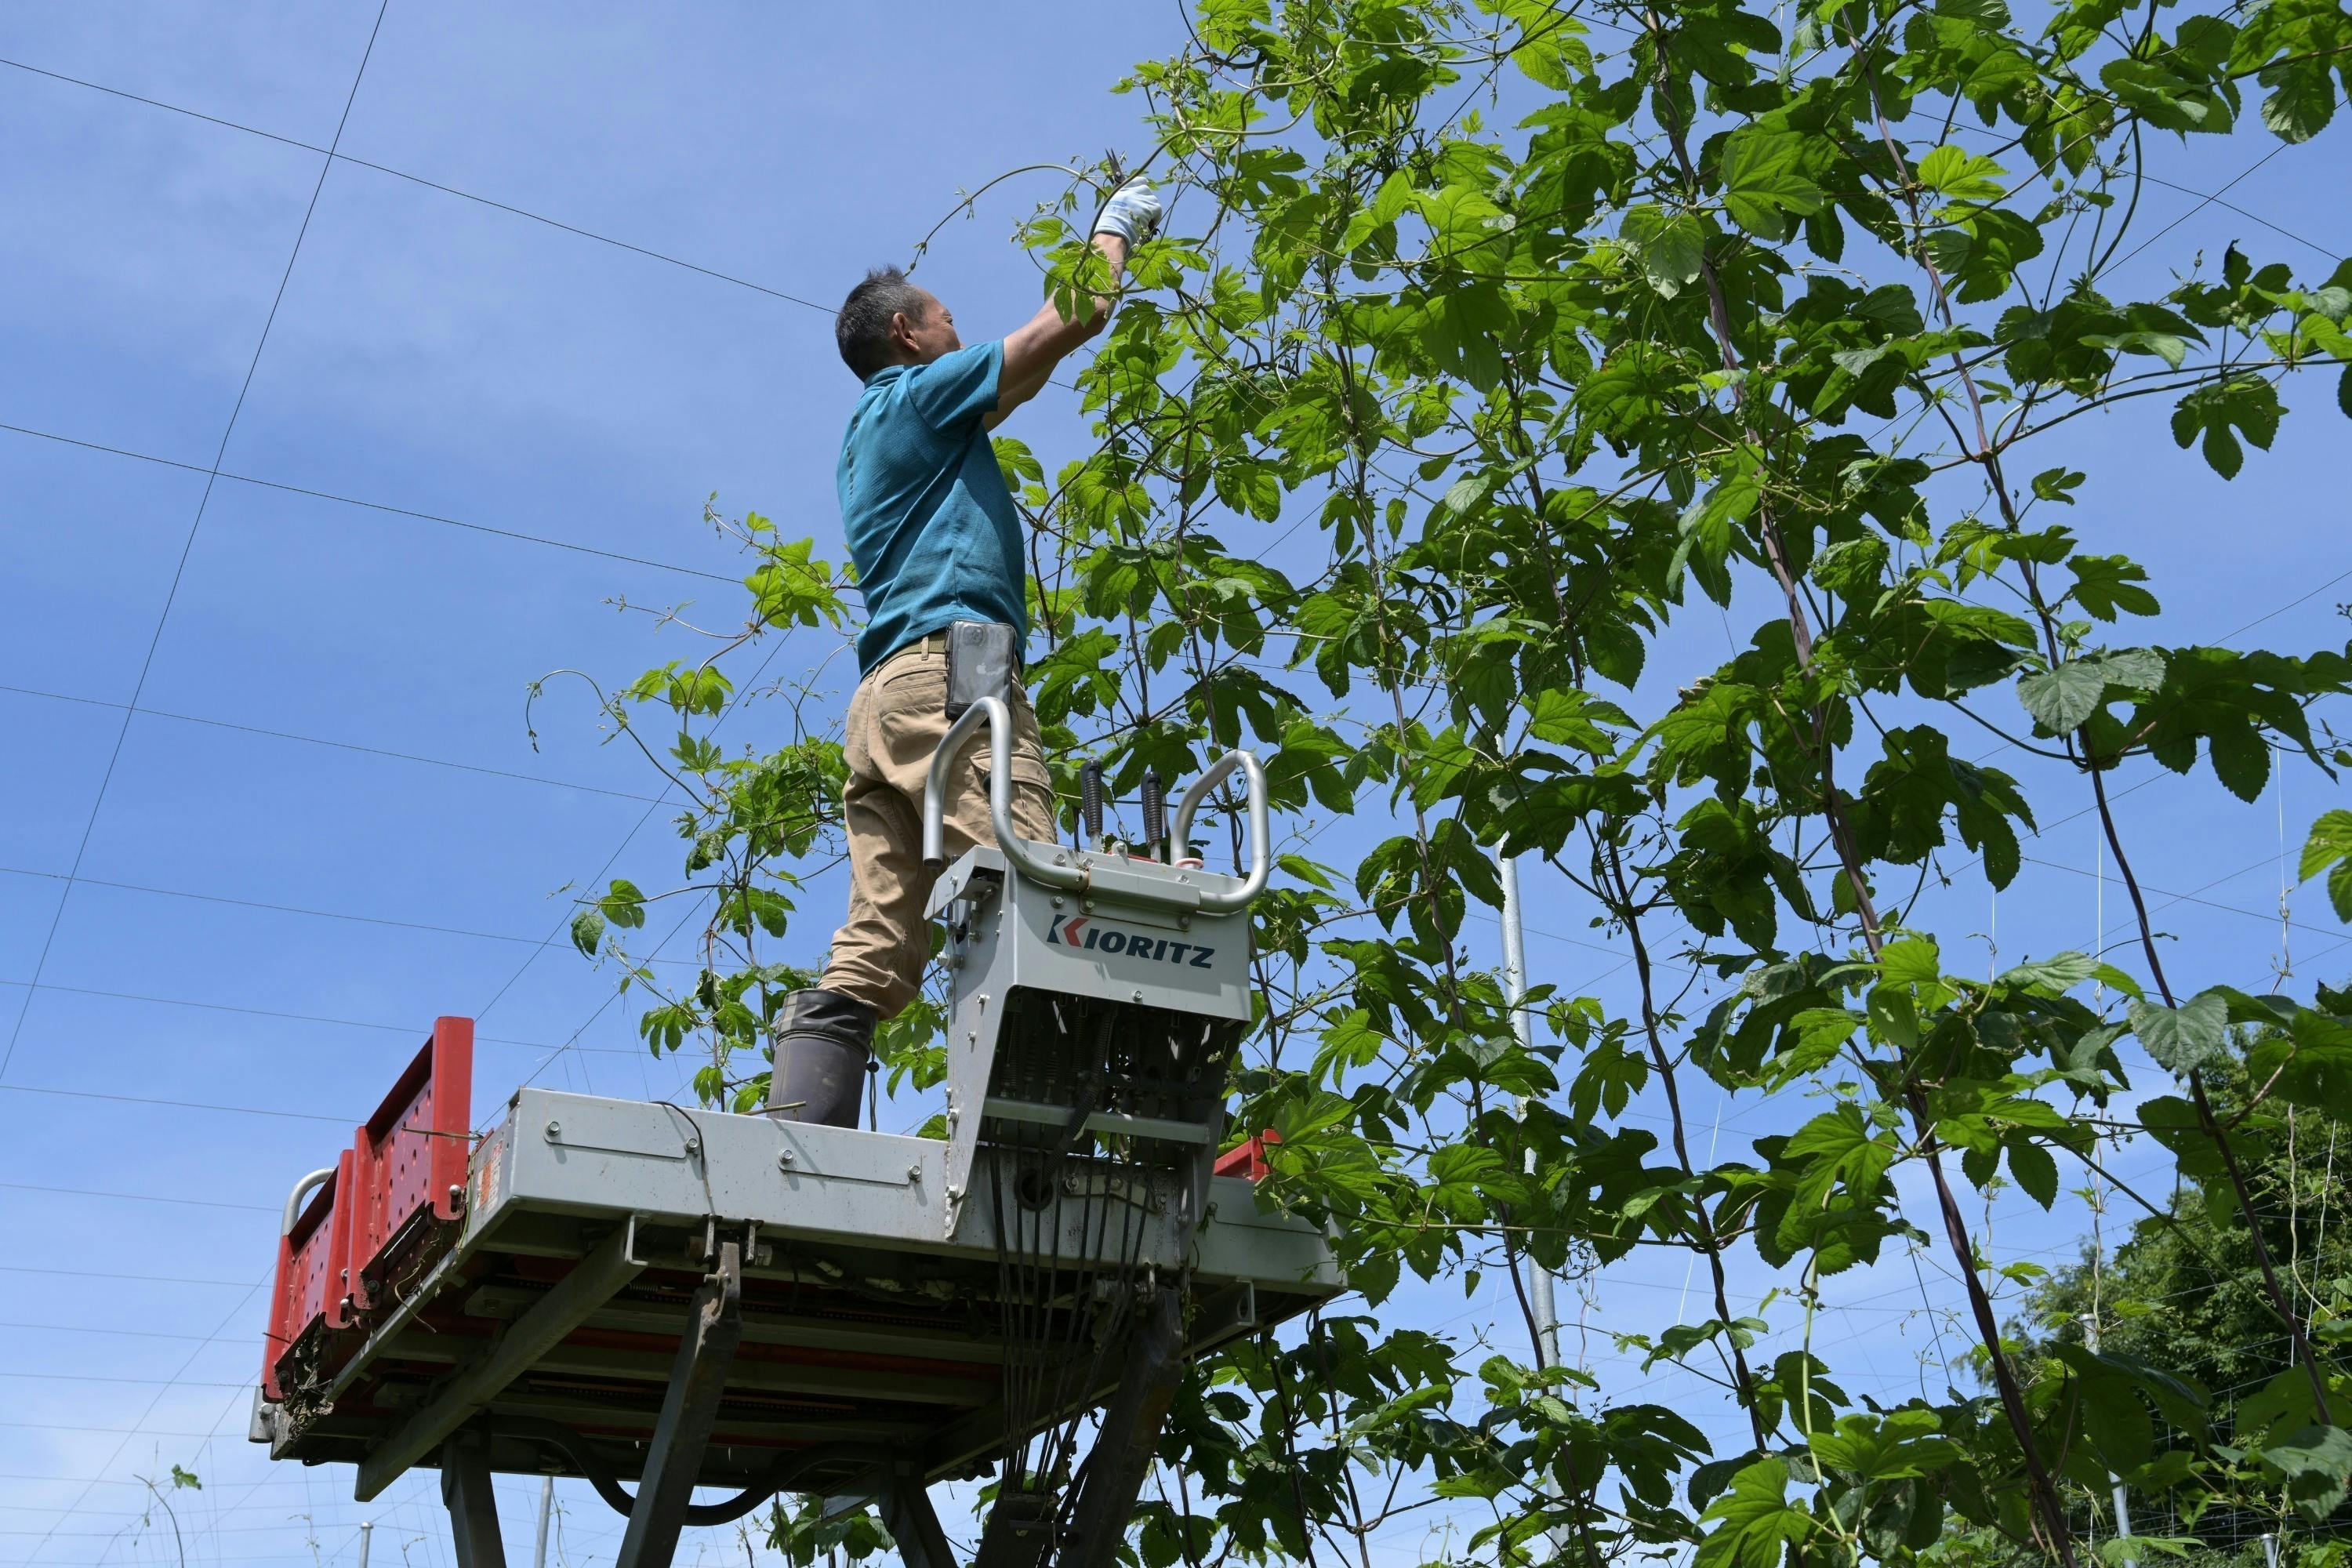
pixel 861 330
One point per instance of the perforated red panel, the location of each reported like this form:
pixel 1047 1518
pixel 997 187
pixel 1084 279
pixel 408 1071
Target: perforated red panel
pixel 410 1156
pixel 403 1176
pixel 413 1151
pixel 312 1253
pixel 363 1239
pixel 306 1258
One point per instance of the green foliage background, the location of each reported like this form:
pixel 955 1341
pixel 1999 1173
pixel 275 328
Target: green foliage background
pixel 2182 1291
pixel 1519 334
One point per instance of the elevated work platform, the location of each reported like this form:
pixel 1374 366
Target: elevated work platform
pixel 586 1227
pixel 643 1294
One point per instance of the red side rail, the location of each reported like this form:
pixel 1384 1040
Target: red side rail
pixel 410 1156
pixel 1248 1158
pixel 300 1291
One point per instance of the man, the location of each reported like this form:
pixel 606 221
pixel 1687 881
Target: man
pixel 936 542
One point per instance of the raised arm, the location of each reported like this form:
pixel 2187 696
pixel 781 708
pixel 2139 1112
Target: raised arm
pixel 1032 350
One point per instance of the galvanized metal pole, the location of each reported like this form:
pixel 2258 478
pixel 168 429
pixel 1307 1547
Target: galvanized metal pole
pixel 546 1507
pixel 1515 995
pixel 2123 1504
pixel 367 1534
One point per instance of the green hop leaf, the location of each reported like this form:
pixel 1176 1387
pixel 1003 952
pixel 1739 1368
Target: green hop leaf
pixel 1761 182
pixel 2057 484
pixel 1960 175
pixel 587 930
pixel 2318 1465
pixel 2330 844
pixel 1756 1520
pixel 2063 699
pixel 2301 104
pixel 2183 1038
pixel 1669 246
pixel 2060 700
pixel 2243 405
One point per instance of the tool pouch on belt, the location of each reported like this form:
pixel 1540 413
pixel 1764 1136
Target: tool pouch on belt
pixel 983 659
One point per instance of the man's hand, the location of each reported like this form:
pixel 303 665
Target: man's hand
pixel 1132 212
pixel 1032 351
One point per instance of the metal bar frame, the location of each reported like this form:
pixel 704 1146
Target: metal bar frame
pixel 1059 872
pixel 991 711
pixel 1020 1527
pixel 907 1513
pixel 579 1294
pixel 1127 1436
pixel 714 1327
pixel 1179 831
pixel 473 1510
pixel 1164 1129
pixel 706 1347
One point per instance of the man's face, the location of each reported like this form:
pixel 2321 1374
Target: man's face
pixel 927 339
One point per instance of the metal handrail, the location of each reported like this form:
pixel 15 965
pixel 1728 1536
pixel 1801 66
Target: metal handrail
pixel 992 711
pixel 303 1189
pixel 1181 828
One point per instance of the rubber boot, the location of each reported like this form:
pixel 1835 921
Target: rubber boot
pixel 823 1042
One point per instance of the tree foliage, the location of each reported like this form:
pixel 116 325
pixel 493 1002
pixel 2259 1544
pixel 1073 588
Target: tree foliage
pixel 1495 355
pixel 2182 1291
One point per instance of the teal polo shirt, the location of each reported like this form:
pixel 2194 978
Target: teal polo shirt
pixel 923 505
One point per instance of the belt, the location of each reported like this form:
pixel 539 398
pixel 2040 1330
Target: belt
pixel 930 642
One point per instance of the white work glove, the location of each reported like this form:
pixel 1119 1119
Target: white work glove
pixel 1132 212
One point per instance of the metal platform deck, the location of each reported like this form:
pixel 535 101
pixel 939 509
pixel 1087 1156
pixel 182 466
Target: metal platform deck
pixel 557 1300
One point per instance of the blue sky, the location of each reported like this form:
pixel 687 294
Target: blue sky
pixel 271 923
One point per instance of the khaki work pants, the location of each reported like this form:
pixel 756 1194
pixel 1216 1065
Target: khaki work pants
pixel 896 720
